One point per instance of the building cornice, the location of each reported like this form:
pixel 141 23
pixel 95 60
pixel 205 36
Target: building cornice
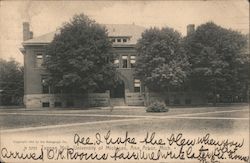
pixel 35 44
pixel 113 45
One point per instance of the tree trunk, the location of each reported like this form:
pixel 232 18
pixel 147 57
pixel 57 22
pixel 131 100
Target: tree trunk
pixel 214 100
pixel 215 95
pixel 168 96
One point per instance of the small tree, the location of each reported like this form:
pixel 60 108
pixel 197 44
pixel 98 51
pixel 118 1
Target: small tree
pixel 11 82
pixel 215 54
pixel 80 57
pixel 161 61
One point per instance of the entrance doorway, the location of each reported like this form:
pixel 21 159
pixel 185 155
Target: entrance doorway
pixel 118 91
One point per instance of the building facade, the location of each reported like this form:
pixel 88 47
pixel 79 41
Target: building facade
pixel 127 92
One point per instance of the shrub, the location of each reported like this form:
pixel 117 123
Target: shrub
pixel 157 107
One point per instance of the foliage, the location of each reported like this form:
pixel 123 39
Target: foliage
pixel 11 82
pixel 215 55
pixel 80 57
pixel 157 107
pixel 161 61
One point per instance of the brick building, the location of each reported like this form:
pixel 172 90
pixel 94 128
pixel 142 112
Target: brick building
pixel 128 91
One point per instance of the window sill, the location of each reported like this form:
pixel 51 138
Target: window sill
pixel 40 68
pixel 125 68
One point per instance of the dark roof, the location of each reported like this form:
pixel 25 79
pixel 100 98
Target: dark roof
pixel 114 30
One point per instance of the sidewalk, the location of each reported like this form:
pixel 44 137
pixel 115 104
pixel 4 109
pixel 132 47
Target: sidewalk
pixel 124 107
pixel 21 108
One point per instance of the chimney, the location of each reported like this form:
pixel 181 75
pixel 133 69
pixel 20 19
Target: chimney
pixel 27 34
pixel 190 29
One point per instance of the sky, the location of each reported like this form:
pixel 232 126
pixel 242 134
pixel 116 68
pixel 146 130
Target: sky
pixel 47 16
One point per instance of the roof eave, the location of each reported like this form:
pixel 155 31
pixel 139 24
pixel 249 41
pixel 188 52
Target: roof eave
pixel 34 43
pixel 123 45
pixel 118 36
pixel 44 44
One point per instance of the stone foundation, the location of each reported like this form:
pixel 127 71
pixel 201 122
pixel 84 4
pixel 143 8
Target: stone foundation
pixel 66 100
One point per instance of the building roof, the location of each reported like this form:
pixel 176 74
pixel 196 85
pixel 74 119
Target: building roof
pixel 130 30
pixel 114 30
pixel 43 39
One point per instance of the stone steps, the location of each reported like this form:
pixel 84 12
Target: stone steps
pixel 134 99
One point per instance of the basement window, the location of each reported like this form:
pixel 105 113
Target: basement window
pixel 176 101
pixel 45 104
pixel 69 103
pixel 188 101
pixel 58 104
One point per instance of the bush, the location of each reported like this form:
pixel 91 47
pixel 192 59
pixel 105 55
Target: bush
pixel 157 107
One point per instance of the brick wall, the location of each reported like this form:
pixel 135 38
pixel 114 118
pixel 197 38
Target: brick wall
pixel 32 74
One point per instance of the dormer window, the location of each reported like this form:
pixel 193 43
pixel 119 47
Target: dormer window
pixel 119 40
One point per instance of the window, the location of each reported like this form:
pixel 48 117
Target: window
pixel 58 104
pixel 124 61
pixel 39 59
pixel 116 63
pixel 119 39
pixel 45 104
pixel 55 90
pixel 188 101
pixel 176 101
pixel 167 101
pixel 45 86
pixel 132 61
pixel 137 85
pixel 69 103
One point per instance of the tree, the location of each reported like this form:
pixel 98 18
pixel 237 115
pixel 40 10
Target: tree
pixel 80 57
pixel 242 67
pixel 215 56
pixel 161 61
pixel 11 82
